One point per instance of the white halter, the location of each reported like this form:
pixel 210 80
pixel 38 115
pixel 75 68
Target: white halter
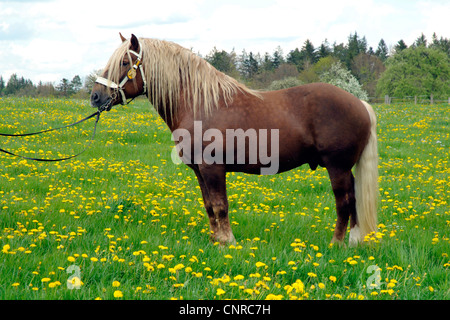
pixel 131 74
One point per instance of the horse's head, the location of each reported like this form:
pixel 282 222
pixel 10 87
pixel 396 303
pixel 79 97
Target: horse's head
pixel 123 77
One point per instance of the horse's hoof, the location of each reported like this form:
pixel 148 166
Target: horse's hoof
pixel 339 243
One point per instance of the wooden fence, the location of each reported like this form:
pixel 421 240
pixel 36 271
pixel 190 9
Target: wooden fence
pixel 416 99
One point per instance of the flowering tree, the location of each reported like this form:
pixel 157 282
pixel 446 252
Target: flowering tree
pixel 339 76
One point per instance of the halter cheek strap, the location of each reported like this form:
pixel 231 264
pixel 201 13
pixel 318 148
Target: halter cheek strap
pixel 131 74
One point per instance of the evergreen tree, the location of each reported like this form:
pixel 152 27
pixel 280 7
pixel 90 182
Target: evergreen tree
pixel 355 46
pixel 75 84
pixel 421 41
pixel 324 50
pixel 277 57
pixel 309 52
pixel 340 52
pixel 249 65
pixel 442 44
pixel 64 88
pixel 382 50
pixel 222 61
pixel 400 46
pixel 267 63
pixel 296 58
pixel 2 85
pixel 13 85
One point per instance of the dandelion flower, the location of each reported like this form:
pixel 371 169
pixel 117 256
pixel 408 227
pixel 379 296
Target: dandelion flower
pixel 220 292
pixel 118 294
pixel 116 284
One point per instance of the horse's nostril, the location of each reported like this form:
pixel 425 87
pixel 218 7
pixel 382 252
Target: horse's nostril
pixel 95 97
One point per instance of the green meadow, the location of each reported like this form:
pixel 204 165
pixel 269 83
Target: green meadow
pixel 122 221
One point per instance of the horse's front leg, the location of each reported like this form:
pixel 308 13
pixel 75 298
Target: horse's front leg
pixel 214 180
pixel 213 223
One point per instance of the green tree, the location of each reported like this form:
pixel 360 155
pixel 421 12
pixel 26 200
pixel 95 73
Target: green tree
pixel 382 50
pixel 340 51
pixel 309 52
pixel 222 61
pixel 416 71
pixel 368 69
pixel 249 66
pixel 2 85
pixel 324 50
pixel 296 58
pixel 442 44
pixel 313 73
pixel 19 86
pixel 277 57
pixel 400 46
pixel 355 46
pixel 421 41
pixel 76 84
pixel 64 88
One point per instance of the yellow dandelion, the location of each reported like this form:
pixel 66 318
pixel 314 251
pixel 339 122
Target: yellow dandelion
pixel 220 292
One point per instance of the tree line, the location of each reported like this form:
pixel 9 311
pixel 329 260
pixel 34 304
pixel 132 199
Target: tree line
pixel 19 86
pixel 423 68
pixel 401 70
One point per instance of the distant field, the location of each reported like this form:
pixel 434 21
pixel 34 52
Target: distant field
pixel 123 222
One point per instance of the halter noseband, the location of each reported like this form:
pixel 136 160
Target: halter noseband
pixel 131 74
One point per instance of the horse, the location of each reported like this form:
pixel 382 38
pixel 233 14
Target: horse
pixel 219 125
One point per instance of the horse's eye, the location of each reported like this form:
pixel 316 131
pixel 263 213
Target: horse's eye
pixel 125 63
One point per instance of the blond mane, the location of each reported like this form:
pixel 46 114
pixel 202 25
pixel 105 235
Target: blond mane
pixel 172 70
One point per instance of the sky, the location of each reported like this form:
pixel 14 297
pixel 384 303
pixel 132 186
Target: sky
pixel 49 40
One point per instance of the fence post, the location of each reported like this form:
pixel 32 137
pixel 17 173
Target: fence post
pixel 415 99
pixel 431 99
pixel 386 99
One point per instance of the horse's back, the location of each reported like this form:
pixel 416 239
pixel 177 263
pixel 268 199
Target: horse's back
pixel 329 122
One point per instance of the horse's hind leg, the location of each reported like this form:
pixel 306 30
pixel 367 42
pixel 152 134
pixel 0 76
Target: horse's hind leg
pixel 214 181
pixel 342 182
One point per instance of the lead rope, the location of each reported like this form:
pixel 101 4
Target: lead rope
pixel 95 114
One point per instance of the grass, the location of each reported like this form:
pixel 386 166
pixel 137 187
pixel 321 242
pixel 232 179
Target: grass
pixel 123 222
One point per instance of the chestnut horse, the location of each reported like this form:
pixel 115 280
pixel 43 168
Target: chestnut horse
pixel 318 124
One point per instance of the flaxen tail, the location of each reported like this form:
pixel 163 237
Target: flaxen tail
pixel 366 183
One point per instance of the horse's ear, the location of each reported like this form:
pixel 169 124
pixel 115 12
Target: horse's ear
pixel 122 37
pixel 134 43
